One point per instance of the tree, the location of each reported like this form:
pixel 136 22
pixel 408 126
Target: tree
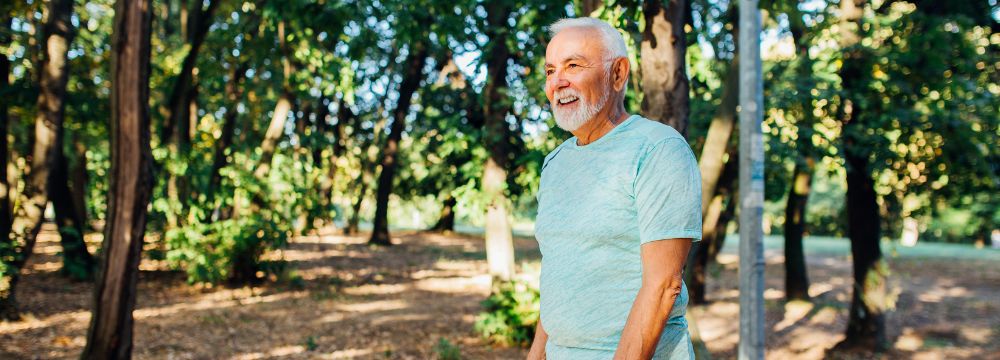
pixel 58 33
pixel 412 76
pixel 5 185
pixel 663 51
pixel 718 182
pixel 796 272
pixel 176 122
pixel 70 219
pixel 499 240
pixel 866 323
pixel 110 332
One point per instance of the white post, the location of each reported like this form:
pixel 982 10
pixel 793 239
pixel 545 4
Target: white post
pixel 751 112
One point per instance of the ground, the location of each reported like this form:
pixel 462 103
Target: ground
pixel 354 301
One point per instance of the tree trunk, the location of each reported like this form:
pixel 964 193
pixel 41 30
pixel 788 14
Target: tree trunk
pixel 47 144
pixel 715 220
pixel 280 115
pixel 245 259
pixel 446 220
pixel 869 301
pixel 796 276
pixel 77 262
pixel 78 182
pixel 352 223
pixel 178 104
pixel 411 82
pixel 499 240
pixel 328 181
pixel 664 77
pixel 274 131
pixel 720 131
pixel 588 7
pixel 110 332
pixel 870 298
pixel 234 92
pixel 6 190
pixel 182 105
pixel 319 130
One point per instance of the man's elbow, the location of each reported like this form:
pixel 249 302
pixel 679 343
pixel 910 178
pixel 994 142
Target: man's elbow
pixel 668 288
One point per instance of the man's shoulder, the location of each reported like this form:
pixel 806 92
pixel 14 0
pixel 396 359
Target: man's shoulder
pixel 651 132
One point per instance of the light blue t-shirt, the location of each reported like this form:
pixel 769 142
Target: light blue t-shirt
pixel 596 205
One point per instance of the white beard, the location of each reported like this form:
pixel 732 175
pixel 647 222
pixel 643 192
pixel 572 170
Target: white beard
pixel 570 120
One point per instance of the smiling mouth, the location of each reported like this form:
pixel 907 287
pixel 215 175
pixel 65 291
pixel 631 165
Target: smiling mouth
pixel 567 100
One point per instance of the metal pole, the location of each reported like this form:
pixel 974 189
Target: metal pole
pixel 751 112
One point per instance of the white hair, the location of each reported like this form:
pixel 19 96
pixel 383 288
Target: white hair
pixel 614 43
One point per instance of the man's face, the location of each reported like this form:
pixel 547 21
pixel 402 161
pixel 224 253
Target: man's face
pixel 577 84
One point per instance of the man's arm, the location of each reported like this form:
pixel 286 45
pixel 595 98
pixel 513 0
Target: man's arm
pixel 662 263
pixel 537 351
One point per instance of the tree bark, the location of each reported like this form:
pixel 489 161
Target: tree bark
pixel 58 34
pixel 182 106
pixel 720 132
pixel 178 104
pixel 869 301
pixel 234 92
pixel 715 220
pixel 588 7
pixel 796 276
pixel 446 219
pixel 274 131
pixel 352 223
pixel 411 81
pixel 499 239
pixel 110 332
pixel 78 182
pixel 344 114
pixel 78 264
pixel 664 77
pixel 6 190
pixel 281 110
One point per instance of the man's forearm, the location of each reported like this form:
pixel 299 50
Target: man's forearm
pixel 537 351
pixel 646 320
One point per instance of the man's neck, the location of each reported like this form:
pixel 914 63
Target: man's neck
pixel 600 125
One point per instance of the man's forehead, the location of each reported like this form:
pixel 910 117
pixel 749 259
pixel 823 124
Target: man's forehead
pixel 573 44
pixel 570 57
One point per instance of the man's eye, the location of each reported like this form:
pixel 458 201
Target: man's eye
pixel 573 66
pixel 549 72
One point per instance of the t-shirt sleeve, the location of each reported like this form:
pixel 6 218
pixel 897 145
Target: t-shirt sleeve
pixel 668 193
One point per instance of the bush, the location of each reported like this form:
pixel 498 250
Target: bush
pixel 511 314
pixel 219 251
pixel 446 350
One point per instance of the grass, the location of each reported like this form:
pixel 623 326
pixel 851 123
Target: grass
pixel 825 245
pixel 814 245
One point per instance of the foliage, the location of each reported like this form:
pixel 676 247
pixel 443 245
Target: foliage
pixel 446 350
pixel 511 314
pixel 209 249
pixel 310 343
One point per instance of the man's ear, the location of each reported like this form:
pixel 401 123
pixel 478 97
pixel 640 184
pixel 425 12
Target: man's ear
pixel 619 73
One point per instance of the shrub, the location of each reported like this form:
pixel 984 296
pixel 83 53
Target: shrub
pixel 511 314
pixel 446 350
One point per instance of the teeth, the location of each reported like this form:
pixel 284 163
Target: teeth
pixel 567 99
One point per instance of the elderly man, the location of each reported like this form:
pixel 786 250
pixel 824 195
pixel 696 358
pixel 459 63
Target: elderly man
pixel 618 207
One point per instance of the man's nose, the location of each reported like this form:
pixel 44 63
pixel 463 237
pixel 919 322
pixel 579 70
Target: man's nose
pixel 557 82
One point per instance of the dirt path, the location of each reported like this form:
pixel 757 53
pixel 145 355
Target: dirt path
pixel 354 301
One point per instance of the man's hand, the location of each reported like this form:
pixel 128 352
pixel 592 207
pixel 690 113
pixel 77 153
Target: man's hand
pixel 537 351
pixel 662 263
